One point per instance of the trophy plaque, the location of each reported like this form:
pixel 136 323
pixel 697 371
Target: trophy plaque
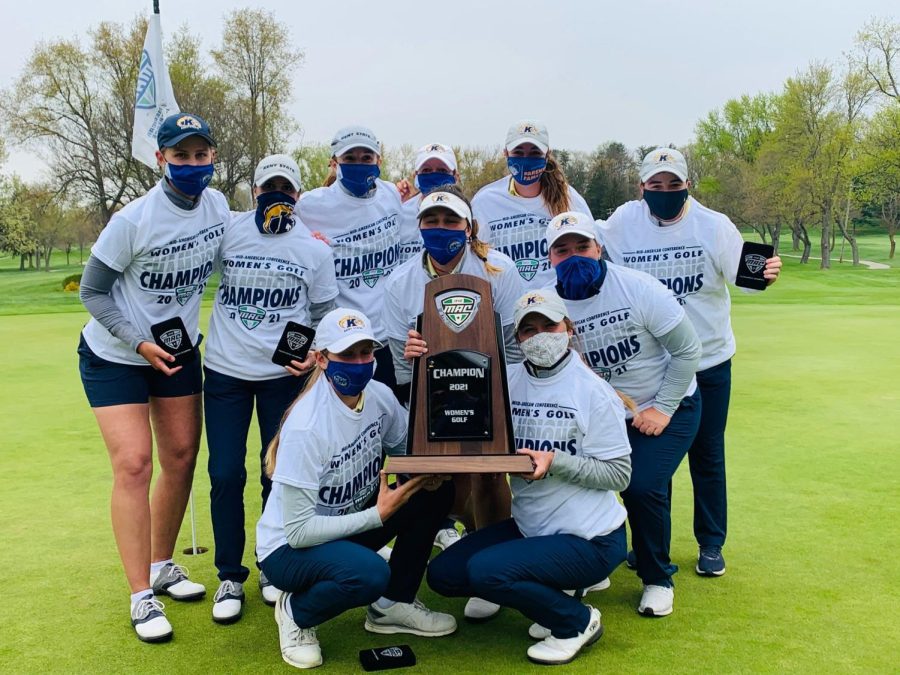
pixel 459 418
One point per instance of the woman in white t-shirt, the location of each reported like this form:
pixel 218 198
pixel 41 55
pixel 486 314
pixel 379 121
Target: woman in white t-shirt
pixel 331 509
pixel 514 210
pixel 634 334
pixel 450 236
pixel 695 252
pixel 273 272
pixel 567 528
pixel 358 215
pixel 147 271
pixel 435 166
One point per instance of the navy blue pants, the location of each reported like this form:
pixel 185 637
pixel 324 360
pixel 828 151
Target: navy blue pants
pixel 330 578
pixel 528 574
pixel 228 410
pixel 707 457
pixel 654 460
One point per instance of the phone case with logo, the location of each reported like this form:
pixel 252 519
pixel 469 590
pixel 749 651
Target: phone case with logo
pixel 752 264
pixel 294 344
pixel 172 336
pixel 385 658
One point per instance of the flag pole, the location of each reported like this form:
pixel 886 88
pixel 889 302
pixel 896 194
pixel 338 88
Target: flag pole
pixel 194 549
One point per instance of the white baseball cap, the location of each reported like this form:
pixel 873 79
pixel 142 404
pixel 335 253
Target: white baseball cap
pixel 528 131
pixel 445 200
pixel 570 222
pixel 664 159
pixel 436 151
pixel 544 302
pixel 277 165
pixel 342 328
pixel 354 137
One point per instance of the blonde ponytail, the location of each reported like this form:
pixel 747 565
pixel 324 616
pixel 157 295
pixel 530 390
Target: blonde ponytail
pixel 554 188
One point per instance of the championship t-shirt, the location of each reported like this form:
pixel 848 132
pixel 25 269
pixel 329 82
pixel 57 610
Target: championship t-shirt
pixel 410 238
pixel 616 330
pixel 695 258
pixel 365 239
pixel 516 225
pixel 166 256
pixel 327 447
pixel 267 280
pixel 573 412
pixel 405 290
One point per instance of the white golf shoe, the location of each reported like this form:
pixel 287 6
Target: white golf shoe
pixel 408 617
pixel 478 609
pixel 657 601
pixel 299 646
pixel 554 651
pixel 149 620
pixel 228 602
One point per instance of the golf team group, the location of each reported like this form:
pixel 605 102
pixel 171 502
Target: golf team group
pixel 617 341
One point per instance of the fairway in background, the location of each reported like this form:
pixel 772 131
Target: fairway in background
pixel 813 485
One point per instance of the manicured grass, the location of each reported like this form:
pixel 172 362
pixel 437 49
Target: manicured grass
pixel 813 485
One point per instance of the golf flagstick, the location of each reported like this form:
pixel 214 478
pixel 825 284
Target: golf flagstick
pixel 193 526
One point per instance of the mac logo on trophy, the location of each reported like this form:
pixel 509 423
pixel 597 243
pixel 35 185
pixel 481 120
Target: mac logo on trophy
pixel 459 419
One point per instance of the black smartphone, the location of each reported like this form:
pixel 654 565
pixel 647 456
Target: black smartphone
pixel 172 336
pixel 752 264
pixel 385 658
pixel 294 344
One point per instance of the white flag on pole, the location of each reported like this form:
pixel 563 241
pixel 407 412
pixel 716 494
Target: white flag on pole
pixel 154 99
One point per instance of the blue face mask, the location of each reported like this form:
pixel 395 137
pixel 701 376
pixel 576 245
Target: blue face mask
pixel 526 170
pixel 189 179
pixel 579 277
pixel 358 178
pixel 349 379
pixel 665 205
pixel 443 244
pixel 274 212
pixel 426 182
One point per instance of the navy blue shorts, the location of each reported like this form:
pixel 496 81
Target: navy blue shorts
pixel 107 383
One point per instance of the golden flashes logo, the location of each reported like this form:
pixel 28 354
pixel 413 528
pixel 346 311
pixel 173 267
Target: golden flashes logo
pixel 533 299
pixel 351 322
pixel 188 122
pixel 274 216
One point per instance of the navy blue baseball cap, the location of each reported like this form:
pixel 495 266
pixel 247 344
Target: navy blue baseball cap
pixel 175 128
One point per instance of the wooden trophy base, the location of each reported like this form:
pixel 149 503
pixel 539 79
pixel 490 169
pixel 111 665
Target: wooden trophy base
pixel 449 464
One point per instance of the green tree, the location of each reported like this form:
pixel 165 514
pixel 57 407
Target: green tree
pixel 74 106
pixel 878 50
pixel 313 161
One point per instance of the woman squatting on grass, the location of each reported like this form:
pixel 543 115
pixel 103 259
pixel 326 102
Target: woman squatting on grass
pixel 567 528
pixel 331 509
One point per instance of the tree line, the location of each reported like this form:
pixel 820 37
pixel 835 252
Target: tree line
pixel 812 159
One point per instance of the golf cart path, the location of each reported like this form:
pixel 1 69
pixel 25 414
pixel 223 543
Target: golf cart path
pixel 872 265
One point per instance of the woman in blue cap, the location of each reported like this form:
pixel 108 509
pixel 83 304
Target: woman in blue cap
pixel 150 265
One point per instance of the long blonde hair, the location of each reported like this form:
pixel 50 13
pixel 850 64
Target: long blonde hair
pixel 554 187
pixel 479 248
pixel 272 450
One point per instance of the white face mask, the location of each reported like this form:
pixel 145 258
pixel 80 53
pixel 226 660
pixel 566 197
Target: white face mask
pixel 545 349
